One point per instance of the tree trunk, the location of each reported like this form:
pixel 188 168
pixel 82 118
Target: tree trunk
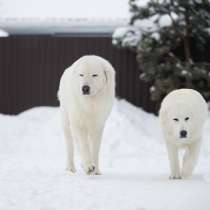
pixel 187 49
pixel 188 57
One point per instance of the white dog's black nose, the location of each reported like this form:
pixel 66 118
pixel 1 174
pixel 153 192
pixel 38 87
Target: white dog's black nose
pixel 86 90
pixel 183 134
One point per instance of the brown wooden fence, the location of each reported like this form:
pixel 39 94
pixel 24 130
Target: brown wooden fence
pixel 31 66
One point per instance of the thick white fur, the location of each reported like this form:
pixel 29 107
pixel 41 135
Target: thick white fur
pixel 183 104
pixel 84 116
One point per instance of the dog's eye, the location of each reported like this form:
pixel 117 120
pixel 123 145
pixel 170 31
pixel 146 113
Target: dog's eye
pixel 94 75
pixel 175 119
pixel 81 75
pixel 187 118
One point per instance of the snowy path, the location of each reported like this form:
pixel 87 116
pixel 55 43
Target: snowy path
pixel 133 162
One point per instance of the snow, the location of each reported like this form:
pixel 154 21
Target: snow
pixel 133 161
pixel 165 21
pixel 155 36
pixel 142 3
pixel 126 36
pixel 184 72
pixel 208 30
pixel 3 33
pixel 130 36
pixel 147 24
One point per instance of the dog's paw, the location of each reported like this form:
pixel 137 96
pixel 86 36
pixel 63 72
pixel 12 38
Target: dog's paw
pixel 98 172
pixel 186 174
pixel 175 176
pixel 70 170
pixel 90 169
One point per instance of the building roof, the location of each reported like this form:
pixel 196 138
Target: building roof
pixel 62 16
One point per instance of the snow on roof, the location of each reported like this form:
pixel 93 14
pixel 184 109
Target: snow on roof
pixel 3 33
pixel 47 16
pixel 59 25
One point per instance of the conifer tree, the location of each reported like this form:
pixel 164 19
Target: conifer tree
pixel 172 44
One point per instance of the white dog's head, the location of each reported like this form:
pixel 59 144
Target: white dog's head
pixel 180 122
pixel 91 75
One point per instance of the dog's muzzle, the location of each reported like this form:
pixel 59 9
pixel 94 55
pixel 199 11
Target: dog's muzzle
pixel 85 90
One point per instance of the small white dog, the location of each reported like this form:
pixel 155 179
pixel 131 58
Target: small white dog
pixel 182 116
pixel 86 94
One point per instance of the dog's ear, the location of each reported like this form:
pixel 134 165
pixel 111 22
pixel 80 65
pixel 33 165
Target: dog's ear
pixel 106 76
pixel 109 74
pixel 163 115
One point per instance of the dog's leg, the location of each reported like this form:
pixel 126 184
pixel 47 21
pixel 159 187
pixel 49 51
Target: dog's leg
pixel 190 159
pixel 84 149
pixel 174 161
pixel 69 142
pixel 95 143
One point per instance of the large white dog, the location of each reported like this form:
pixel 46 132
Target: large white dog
pixel 182 116
pixel 86 95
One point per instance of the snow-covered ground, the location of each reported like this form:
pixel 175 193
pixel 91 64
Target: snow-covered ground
pixel 133 161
